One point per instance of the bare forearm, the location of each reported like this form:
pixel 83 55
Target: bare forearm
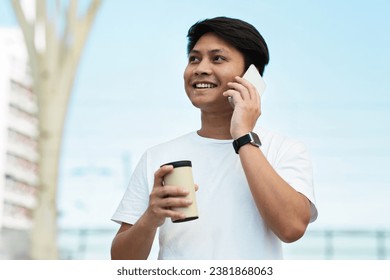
pixel 285 211
pixel 134 242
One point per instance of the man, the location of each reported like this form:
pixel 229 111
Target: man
pixel 250 198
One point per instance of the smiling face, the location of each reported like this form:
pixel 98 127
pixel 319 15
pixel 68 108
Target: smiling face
pixel 212 63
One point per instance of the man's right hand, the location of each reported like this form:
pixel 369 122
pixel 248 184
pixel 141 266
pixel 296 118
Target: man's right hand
pixel 163 198
pixel 135 241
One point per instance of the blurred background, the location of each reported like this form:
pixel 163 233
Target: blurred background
pixel 327 85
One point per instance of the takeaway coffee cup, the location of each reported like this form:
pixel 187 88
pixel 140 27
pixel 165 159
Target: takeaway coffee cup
pixel 181 176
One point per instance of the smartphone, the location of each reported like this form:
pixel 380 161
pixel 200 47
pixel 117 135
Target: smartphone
pixel 253 76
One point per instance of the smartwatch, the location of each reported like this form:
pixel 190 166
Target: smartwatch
pixel 250 138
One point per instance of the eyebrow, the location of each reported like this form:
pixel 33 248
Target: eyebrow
pixel 210 51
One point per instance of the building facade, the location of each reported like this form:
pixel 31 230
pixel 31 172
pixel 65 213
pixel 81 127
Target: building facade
pixel 18 146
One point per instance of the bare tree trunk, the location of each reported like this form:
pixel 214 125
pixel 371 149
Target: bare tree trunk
pixel 54 61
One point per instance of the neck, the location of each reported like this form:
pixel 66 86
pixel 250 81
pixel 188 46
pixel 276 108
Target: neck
pixel 216 126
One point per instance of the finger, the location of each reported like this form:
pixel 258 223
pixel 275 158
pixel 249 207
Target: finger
pixel 170 191
pixel 166 207
pixel 173 202
pixel 239 87
pixel 252 91
pixel 175 215
pixel 249 86
pixel 233 95
pixel 196 187
pixel 244 92
pixel 160 173
pixel 245 82
pixel 161 213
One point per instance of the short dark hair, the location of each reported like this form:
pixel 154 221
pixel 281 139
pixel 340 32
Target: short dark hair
pixel 242 35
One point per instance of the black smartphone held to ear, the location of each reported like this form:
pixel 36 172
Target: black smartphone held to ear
pixel 253 76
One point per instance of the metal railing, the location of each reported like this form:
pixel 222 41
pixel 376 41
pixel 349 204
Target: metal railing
pixel 341 244
pixel 316 244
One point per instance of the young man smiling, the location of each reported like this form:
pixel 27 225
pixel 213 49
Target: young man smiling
pixel 251 197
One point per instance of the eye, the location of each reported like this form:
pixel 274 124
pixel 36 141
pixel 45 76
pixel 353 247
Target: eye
pixel 193 59
pixel 219 58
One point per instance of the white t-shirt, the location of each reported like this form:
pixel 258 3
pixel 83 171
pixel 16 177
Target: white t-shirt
pixel 229 224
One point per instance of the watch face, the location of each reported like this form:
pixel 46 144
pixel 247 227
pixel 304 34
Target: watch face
pixel 255 139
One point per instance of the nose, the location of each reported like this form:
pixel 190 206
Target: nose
pixel 203 68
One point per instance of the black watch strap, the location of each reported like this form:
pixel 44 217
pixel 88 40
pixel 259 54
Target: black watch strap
pixel 250 138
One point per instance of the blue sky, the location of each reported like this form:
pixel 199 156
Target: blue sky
pixel 327 85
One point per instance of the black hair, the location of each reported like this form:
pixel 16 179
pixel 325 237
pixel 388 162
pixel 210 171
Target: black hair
pixel 240 34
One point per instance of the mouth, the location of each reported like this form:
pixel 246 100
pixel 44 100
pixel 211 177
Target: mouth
pixel 203 85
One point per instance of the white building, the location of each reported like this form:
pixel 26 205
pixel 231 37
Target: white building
pixel 18 145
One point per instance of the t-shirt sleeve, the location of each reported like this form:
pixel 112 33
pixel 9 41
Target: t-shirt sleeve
pixel 294 166
pixel 136 198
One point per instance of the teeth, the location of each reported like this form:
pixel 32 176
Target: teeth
pixel 203 85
